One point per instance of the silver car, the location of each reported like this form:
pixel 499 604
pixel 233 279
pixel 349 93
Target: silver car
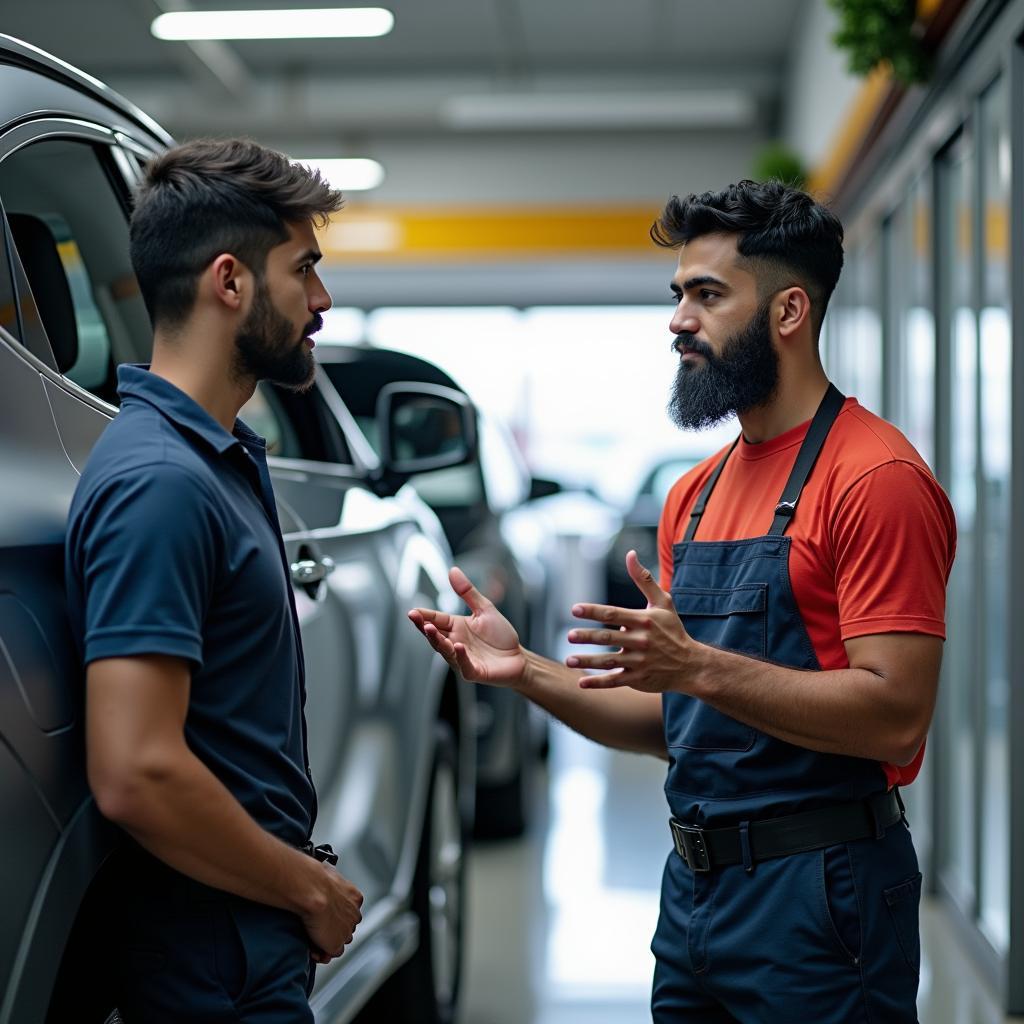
pixel 391 751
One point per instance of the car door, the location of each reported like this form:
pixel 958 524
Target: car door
pixel 58 186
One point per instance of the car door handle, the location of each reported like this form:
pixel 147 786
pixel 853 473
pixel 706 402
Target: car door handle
pixel 311 571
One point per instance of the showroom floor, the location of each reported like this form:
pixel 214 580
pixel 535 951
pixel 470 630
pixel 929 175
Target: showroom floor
pixel 560 921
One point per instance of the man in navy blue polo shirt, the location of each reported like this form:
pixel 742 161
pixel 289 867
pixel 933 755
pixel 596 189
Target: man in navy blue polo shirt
pixel 180 598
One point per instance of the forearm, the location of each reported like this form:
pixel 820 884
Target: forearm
pixel 623 718
pixel 185 816
pixel 851 711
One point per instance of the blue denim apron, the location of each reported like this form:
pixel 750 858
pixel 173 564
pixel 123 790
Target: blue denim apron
pixel 825 936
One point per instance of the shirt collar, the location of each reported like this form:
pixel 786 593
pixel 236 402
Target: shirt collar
pixel 134 381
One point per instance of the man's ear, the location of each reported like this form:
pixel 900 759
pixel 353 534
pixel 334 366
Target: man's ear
pixel 792 308
pixel 230 281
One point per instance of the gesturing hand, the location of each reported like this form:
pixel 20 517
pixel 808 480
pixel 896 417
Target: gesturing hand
pixel 655 653
pixel 483 647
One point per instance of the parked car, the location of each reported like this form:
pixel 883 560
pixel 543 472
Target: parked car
pixel 472 502
pixel 639 530
pixel 390 740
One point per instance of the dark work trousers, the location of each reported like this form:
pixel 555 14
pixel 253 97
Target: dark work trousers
pixel 189 953
pixel 828 936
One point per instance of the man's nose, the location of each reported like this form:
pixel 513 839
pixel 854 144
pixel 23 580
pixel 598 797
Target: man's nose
pixel 683 321
pixel 320 300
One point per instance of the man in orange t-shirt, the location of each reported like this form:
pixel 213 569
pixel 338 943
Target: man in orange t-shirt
pixel 787 665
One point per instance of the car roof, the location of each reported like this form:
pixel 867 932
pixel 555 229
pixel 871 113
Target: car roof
pixel 22 54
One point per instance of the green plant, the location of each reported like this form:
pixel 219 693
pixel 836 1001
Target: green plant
pixel 780 163
pixel 872 31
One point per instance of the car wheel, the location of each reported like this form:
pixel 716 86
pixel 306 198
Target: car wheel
pixel 425 989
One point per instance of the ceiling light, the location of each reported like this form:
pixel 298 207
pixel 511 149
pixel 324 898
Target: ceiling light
pixel 309 23
pixel 704 108
pixel 350 175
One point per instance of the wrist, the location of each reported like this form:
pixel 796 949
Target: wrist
pixel 698 678
pixel 531 665
pixel 307 893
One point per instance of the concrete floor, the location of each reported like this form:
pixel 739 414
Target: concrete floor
pixel 560 921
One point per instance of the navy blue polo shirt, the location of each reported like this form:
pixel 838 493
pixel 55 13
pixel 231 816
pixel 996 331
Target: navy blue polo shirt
pixel 174 547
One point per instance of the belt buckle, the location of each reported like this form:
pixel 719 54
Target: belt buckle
pixel 691 846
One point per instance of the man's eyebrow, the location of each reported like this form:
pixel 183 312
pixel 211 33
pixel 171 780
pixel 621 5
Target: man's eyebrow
pixel 309 256
pixel 698 282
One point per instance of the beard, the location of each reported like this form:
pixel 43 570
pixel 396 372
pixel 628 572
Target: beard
pixel 266 347
pixel 744 376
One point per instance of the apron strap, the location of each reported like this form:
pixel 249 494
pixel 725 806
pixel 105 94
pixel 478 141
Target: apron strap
pixel 826 415
pixel 702 499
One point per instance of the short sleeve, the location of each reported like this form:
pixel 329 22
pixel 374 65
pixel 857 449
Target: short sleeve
pixel 144 553
pixel 893 537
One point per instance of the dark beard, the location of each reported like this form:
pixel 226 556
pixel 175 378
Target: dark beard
pixel 266 349
pixel 743 377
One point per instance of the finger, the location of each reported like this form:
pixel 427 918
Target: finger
pixel 610 614
pixel 620 659
pixel 440 643
pixel 645 582
pixel 605 680
pixel 442 620
pixel 468 668
pixel 629 639
pixel 462 586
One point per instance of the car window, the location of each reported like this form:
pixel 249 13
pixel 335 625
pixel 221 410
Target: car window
pixel 65 205
pixel 263 413
pixel 296 426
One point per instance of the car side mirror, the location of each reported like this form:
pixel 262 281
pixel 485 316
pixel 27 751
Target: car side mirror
pixel 423 427
pixel 540 488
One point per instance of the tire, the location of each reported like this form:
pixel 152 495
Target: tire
pixel 425 989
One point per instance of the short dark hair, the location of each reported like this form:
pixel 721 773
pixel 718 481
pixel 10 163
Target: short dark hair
pixel 211 196
pixel 786 235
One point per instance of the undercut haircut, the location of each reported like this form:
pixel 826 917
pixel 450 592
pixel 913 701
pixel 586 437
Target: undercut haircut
pixel 214 196
pixel 784 237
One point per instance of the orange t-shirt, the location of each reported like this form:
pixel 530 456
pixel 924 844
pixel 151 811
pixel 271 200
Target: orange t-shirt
pixel 873 537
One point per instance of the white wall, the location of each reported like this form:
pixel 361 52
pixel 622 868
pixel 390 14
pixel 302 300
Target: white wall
pixel 817 89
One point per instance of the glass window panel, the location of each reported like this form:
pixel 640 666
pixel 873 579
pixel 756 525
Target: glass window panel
pixel 913 392
pixel 995 368
pixel 864 345
pixel 959 682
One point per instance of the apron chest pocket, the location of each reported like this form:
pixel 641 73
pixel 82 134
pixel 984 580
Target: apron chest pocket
pixel 734 620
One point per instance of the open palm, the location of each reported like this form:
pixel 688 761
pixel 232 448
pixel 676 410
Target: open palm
pixel 483 646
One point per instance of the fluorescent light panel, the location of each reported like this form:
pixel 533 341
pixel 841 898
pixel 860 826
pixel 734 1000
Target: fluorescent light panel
pixel 710 108
pixel 305 23
pixel 350 174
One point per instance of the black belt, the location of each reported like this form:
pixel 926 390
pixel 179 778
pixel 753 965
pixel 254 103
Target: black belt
pixel 705 848
pixel 323 852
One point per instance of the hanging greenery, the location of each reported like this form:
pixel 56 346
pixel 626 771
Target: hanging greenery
pixel 872 31
pixel 777 162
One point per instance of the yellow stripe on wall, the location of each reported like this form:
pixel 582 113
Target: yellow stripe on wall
pixel 489 233
pixel 825 179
